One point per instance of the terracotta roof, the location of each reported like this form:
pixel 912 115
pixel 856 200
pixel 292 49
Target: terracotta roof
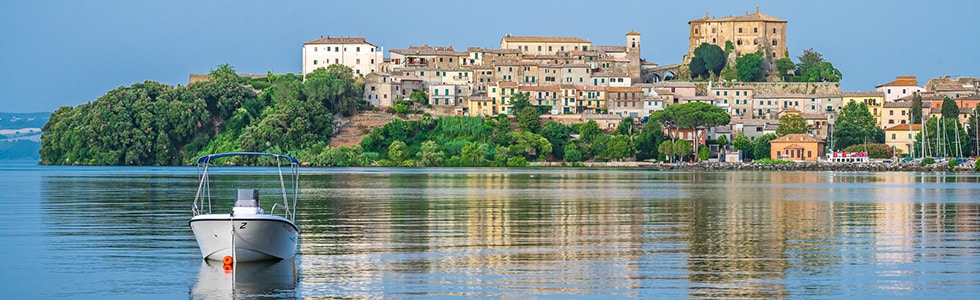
pixel 544 39
pixel 902 81
pixel 590 88
pixel 613 89
pixel 898 104
pixel 338 40
pixel 795 96
pixel 550 88
pixel 863 94
pixel 793 138
pixel 752 17
pixel 905 127
pixel 632 32
pixel 507 84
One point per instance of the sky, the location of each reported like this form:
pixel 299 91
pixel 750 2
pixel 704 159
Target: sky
pixel 58 53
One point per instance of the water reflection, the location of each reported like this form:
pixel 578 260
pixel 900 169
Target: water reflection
pixel 634 234
pixel 269 279
pixel 525 233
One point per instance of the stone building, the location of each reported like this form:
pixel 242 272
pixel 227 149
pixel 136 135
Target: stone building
pixel 537 45
pixel 747 33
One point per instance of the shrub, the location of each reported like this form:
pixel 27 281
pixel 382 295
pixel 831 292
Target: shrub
pixel 976 165
pixel 953 163
pixel 770 161
pixel 517 161
pixel 927 161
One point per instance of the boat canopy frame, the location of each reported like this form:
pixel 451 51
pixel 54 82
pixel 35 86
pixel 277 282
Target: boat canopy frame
pixel 202 200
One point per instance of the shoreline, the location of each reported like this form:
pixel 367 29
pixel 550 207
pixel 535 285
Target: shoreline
pixel 795 166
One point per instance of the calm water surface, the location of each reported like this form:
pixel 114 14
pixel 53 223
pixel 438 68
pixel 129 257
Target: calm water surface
pixel 121 233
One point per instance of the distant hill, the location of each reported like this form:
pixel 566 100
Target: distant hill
pixel 20 135
pixel 23 120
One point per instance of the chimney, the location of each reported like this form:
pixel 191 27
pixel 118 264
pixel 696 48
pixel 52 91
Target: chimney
pixel 705 14
pixel 757 10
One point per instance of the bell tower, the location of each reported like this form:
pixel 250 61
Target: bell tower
pixel 633 53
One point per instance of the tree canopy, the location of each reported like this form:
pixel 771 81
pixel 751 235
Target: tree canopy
pixel 813 68
pixel 708 59
pixel 791 124
pixel 749 67
pixel 856 125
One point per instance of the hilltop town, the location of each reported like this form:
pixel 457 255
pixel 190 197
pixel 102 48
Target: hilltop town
pixel 736 95
pixel 580 81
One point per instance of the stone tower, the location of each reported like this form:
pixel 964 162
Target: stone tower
pixel 633 53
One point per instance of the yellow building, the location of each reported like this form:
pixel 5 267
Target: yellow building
pixel 799 147
pixel 537 45
pixel 902 137
pixel 747 33
pixel 874 101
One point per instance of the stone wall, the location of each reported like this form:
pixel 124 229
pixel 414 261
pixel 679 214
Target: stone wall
pixel 772 88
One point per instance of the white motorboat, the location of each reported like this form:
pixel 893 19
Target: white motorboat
pixel 247 233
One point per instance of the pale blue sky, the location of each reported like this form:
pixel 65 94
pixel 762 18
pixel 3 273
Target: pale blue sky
pixel 57 53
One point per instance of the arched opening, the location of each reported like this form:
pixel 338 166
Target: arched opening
pixel 669 75
pixel 653 78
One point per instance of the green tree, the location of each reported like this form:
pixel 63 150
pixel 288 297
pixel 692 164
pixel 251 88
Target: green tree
pixel 418 97
pixel 711 57
pixel 589 131
pixel 761 146
pixel 520 101
pixel 683 149
pixel 694 115
pixel 784 65
pixel 743 143
pixel 647 141
pixel 791 124
pixel 915 111
pixel 942 135
pixel 666 149
pixel 625 126
pixel 722 141
pixel 973 129
pixel 950 109
pixel 619 147
pixel 703 154
pixel 529 120
pixel 572 153
pixel 430 155
pixel 813 68
pixel 558 135
pixel 750 67
pixel 398 152
pixel 856 125
pixel 529 145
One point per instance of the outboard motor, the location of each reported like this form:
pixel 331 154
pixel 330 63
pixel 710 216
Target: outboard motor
pixel 247 202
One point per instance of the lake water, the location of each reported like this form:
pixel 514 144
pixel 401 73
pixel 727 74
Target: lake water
pixel 122 233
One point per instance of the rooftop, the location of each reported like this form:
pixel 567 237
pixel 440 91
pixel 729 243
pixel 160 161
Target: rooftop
pixel 338 40
pixel 543 39
pixel 902 81
pixel 748 17
pixel 795 138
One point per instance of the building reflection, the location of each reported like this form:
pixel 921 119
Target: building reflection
pixel 714 234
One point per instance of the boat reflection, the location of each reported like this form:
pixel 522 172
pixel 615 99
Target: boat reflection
pixel 266 279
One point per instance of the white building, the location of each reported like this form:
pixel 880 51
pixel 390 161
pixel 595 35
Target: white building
pixel 354 52
pixel 901 87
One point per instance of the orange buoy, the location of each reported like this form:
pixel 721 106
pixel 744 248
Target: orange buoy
pixel 228 260
pixel 227 268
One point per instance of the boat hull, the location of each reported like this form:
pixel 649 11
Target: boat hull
pixel 256 237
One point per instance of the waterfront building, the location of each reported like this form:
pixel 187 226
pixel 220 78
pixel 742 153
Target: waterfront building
pixel 797 147
pixel 738 98
pixel 901 137
pixel 626 101
pixel 354 52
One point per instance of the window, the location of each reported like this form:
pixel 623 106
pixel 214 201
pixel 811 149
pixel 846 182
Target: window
pixel 440 59
pixel 893 136
pixel 372 88
pixel 755 30
pixel 695 31
pixel 726 93
pixel 740 30
pixel 736 93
pixel 549 48
pixel 739 42
pixel 358 61
pixel 314 49
pixel 539 48
pixel 336 60
pixel 336 49
pixel 525 47
pixel 717 93
pixel 713 30
pixel 358 49
pixel 774 30
pixel 372 61
pixel 891 112
pixel 314 62
pixel 891 122
pixel 372 49
pixel 774 42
